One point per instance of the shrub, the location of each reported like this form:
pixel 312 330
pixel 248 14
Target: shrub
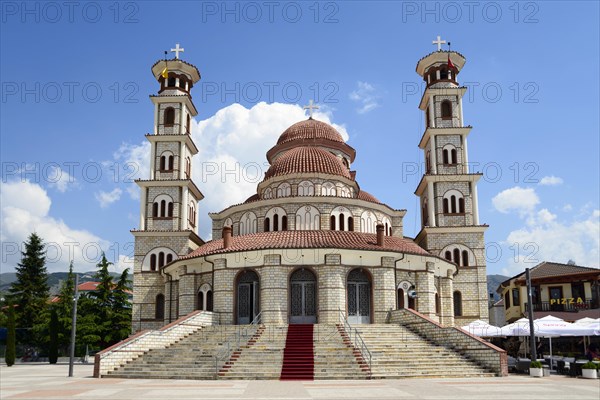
pixel 589 365
pixel 535 364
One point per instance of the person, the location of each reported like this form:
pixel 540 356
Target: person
pixel 593 352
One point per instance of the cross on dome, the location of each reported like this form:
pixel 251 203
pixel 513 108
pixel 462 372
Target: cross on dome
pixel 178 49
pixel 439 42
pixel 310 107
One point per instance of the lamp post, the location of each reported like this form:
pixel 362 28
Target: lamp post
pixel 73 327
pixel 530 316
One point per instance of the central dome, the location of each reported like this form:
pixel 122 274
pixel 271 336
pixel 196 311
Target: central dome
pixel 310 129
pixel 307 159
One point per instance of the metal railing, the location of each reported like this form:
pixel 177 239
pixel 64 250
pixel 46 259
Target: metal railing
pixel 242 335
pixel 357 341
pixel 568 305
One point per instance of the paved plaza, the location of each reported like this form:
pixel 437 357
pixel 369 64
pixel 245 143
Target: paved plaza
pixel 44 381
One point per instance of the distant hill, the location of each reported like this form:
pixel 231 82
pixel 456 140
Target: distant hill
pixel 54 279
pixel 493 281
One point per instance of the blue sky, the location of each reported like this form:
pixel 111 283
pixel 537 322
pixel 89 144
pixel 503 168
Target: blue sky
pixel 75 108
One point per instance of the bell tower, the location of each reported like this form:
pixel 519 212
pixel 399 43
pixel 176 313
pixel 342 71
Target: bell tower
pixel 168 200
pixel 450 225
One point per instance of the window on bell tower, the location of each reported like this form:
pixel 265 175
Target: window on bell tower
pixel 446 109
pixel 169 116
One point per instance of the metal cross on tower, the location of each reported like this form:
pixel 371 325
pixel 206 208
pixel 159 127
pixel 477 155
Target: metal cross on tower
pixel 310 107
pixel 439 42
pixel 178 49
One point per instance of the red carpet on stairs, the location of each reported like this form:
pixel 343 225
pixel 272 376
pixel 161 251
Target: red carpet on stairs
pixel 298 356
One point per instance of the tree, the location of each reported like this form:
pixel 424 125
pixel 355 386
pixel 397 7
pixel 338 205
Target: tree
pixel 64 308
pixel 54 327
pixel 121 308
pixel 11 342
pixel 30 291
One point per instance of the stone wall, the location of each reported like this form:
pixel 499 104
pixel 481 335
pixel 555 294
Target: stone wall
pixel 473 347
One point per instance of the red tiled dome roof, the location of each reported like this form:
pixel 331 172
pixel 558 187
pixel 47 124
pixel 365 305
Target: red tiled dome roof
pixel 308 240
pixel 307 160
pixel 310 129
pixel 366 196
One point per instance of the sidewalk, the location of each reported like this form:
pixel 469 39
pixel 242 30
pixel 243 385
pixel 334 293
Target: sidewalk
pixel 44 381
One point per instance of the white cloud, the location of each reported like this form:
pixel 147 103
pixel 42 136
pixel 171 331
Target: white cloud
pixel 107 198
pixel 366 95
pixel 60 179
pixel 545 238
pixel 551 181
pixel 519 199
pixel 135 161
pixel 25 208
pixel 232 147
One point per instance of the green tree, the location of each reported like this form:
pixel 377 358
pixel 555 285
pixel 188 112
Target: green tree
pixel 64 308
pixel 11 342
pixel 54 327
pixel 103 302
pixel 121 308
pixel 30 291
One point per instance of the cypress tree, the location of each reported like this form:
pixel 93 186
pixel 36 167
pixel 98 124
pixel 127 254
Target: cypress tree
pixel 11 342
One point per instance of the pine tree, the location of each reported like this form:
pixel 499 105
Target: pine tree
pixel 11 342
pixel 30 291
pixel 54 327
pixel 103 302
pixel 121 308
pixel 65 307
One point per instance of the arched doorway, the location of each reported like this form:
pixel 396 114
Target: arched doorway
pixel 303 297
pixel 359 297
pixel 248 304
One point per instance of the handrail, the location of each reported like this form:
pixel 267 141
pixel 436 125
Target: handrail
pixel 242 334
pixel 358 342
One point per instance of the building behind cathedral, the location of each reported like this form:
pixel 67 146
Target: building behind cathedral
pixel 310 244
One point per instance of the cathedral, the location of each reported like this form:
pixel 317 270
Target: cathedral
pixel 309 245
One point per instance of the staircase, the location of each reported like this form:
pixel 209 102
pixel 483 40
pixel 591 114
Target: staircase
pixel 298 355
pixel 399 353
pixel 193 357
pixel 335 356
pixel 261 358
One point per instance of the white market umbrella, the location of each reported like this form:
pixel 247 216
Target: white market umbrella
pixel 482 329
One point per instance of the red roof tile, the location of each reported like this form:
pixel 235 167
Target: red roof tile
pixel 310 129
pixel 308 240
pixel 307 160
pixel 366 196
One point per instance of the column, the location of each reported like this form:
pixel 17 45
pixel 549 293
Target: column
pixel 223 291
pixel 143 208
pixel 273 291
pixel 462 121
pixel 152 159
pixel 182 160
pixel 475 205
pixel 156 119
pixel 431 110
pixel 187 294
pixel 446 299
pixel 425 286
pixel 465 155
pixel 181 112
pixel 433 149
pixel 431 204
pixel 183 215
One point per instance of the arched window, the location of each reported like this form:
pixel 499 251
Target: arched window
pixel 153 262
pixel 170 210
pixel 187 123
pixel 453 157
pixel 453 202
pixel 367 222
pixel 308 218
pixel 275 222
pixel 182 82
pixel 188 167
pixel 169 258
pixel 284 190
pixel 437 304
pixel 428 162
pixel 159 310
pixel 457 297
pixel 456 256
pixel 170 165
pixel 200 301
pixel 342 224
pixel 161 259
pixel 163 163
pixel 163 205
pixel 448 255
pixel 445 156
pixel 465 258
pixel 274 219
pixel 268 193
pixel 387 225
pixel 204 298
pixel 338 218
pixel 172 81
pixel 192 216
pixel 267 226
pixel 332 223
pixel 155 259
pixel 155 209
pixel 449 155
pixel 169 116
pixel 351 224
pixel 446 109
pixel 284 223
pixel 306 188
pixel 445 206
pixel 248 223
pixel 461 205
pixel 443 74
pixel 433 77
pixel 209 300
pixel 400 298
pixel 328 189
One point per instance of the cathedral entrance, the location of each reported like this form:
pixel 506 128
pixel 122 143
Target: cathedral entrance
pixel 359 297
pixel 248 305
pixel 303 297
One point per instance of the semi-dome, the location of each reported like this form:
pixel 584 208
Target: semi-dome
pixel 310 129
pixel 306 159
